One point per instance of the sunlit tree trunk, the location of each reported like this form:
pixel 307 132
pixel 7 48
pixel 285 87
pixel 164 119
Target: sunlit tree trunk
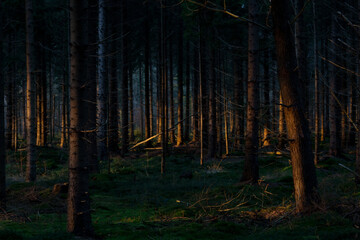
pixel 30 94
pixel 304 175
pixel 78 206
pixel 180 76
pixel 267 111
pixel 251 165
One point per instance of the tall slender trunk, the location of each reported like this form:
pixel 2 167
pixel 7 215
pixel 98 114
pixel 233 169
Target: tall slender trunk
pixel 237 97
pixel 171 93
pixel 251 165
pixel 30 94
pixel 301 51
pixel 304 175
pixel 195 100
pixel 212 106
pixel 163 86
pixel 180 76
pixel 147 70
pixel 101 86
pixel 131 104
pixel 79 217
pixel 124 80
pixel 90 97
pixel 113 136
pixel 267 112
pixel 187 87
pixel 2 125
pixel 334 109
pixel 316 83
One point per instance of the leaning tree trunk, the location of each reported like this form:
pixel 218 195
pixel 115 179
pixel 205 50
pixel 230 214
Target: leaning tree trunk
pixel 79 217
pixel 251 165
pixel 30 94
pixel 291 88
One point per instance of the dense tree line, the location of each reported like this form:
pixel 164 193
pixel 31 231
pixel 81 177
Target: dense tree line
pixel 108 77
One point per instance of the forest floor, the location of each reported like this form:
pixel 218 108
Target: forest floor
pixel 189 202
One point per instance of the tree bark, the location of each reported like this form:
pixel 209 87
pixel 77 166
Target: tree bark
pixel 334 108
pixel 113 82
pixel 187 87
pixel 30 94
pixel 212 106
pixel 90 97
pixel 180 76
pixel 101 87
pixel 79 217
pixel 251 165
pixel 147 69
pixel 124 80
pixel 2 123
pixel 304 175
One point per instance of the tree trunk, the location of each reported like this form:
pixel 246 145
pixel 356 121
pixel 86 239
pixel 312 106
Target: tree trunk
pixel 163 86
pixel 180 76
pixel 90 97
pixel 187 87
pixel 171 92
pixel 316 81
pixel 131 104
pixel 267 112
pixel 251 165
pixel 30 94
pixel 147 69
pixel 124 80
pixel 101 87
pixel 113 82
pixel 237 101
pixel 212 106
pixel 301 51
pixel 195 100
pixel 291 88
pixel 334 108
pixel 2 124
pixel 79 217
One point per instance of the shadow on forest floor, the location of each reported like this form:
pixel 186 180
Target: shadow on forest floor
pixel 189 202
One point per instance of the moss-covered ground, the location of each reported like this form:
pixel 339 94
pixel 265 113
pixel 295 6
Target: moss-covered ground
pixel 189 202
